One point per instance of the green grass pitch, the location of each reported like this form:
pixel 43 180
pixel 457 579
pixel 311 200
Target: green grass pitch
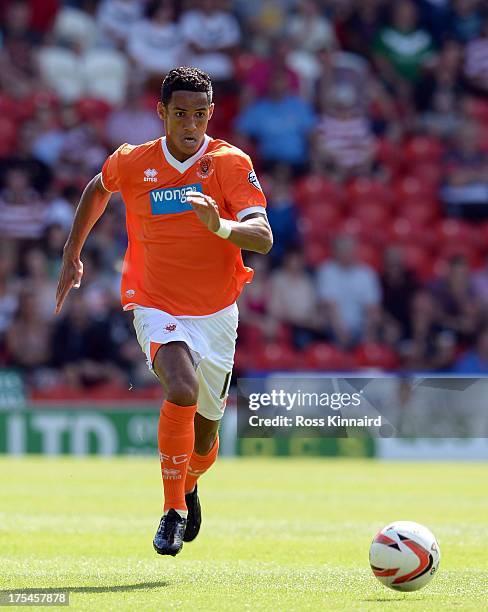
pixel 278 534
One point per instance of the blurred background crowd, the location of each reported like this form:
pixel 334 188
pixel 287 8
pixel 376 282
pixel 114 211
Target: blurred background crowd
pixel 367 121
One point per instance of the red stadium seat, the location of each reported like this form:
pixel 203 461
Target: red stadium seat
pixel 245 64
pixel 364 230
pixel 420 149
pixel 352 226
pixel 326 357
pixel 319 221
pixel 389 154
pixel 93 109
pixel 428 174
pixel 250 334
pixel 316 252
pixel 407 231
pixel 418 259
pixel 373 355
pixel 477 109
pixel 411 187
pixel 8 108
pixel 454 231
pixel 369 254
pixel 366 190
pixel 277 356
pixel 483 235
pixel 421 212
pixel 8 136
pixel 374 213
pixel 315 189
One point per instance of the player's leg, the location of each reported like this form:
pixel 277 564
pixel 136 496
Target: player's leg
pixel 174 367
pixel 203 457
pixel 206 433
pixel 214 374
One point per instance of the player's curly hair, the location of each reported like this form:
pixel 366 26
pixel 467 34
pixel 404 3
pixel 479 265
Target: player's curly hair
pixel 185 78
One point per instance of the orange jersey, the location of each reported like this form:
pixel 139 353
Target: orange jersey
pixel 173 262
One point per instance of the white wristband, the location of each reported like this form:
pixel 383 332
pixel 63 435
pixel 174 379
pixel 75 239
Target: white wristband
pixel 225 229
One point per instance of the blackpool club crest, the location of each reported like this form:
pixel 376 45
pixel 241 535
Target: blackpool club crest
pixel 205 167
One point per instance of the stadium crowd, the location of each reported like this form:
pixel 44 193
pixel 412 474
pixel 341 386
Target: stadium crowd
pixel 367 121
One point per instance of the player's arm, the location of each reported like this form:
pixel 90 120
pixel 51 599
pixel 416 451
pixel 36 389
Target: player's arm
pixel 92 204
pixel 252 233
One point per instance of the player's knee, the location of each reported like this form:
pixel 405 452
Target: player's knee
pixel 183 392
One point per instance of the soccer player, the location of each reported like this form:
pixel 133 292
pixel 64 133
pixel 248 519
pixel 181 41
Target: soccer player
pixel 192 203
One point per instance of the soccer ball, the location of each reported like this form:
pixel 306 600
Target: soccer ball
pixel 404 556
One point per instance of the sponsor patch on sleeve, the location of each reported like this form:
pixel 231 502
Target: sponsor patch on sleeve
pixel 253 179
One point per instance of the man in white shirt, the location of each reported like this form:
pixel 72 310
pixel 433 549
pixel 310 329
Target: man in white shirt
pixel 350 293
pixel 211 34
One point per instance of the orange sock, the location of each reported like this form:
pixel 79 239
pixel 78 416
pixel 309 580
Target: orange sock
pixel 199 464
pixel 176 438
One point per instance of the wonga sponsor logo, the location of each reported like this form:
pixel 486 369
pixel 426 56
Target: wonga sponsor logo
pixel 172 199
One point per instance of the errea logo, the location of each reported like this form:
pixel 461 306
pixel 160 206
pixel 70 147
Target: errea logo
pixel 150 175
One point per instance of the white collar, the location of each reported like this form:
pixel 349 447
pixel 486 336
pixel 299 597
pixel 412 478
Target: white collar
pixel 184 166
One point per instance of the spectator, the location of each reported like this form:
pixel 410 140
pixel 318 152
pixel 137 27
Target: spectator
pixel 16 27
pixel 39 282
pixel 339 69
pixel 465 185
pixel 82 153
pixel 436 16
pixel 212 34
pixel 258 70
pixel 40 174
pixel 465 20
pixel 344 138
pixel 457 309
pixel 281 212
pixel 309 29
pixel 22 212
pixel 419 347
pixel 115 19
pixel 475 360
pixel 100 284
pixel 54 240
pixel 480 285
pixel 28 337
pixel 49 135
pixel 439 92
pixel 476 63
pixel 134 122
pixel 281 124
pixel 9 289
pixel 363 25
pixel 254 304
pixel 61 207
pixel 402 49
pixel 350 293
pixel 398 284
pixel 84 348
pixel 294 300
pixel 156 42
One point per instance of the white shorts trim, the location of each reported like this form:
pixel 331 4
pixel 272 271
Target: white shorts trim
pixel 133 306
pixel 211 340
